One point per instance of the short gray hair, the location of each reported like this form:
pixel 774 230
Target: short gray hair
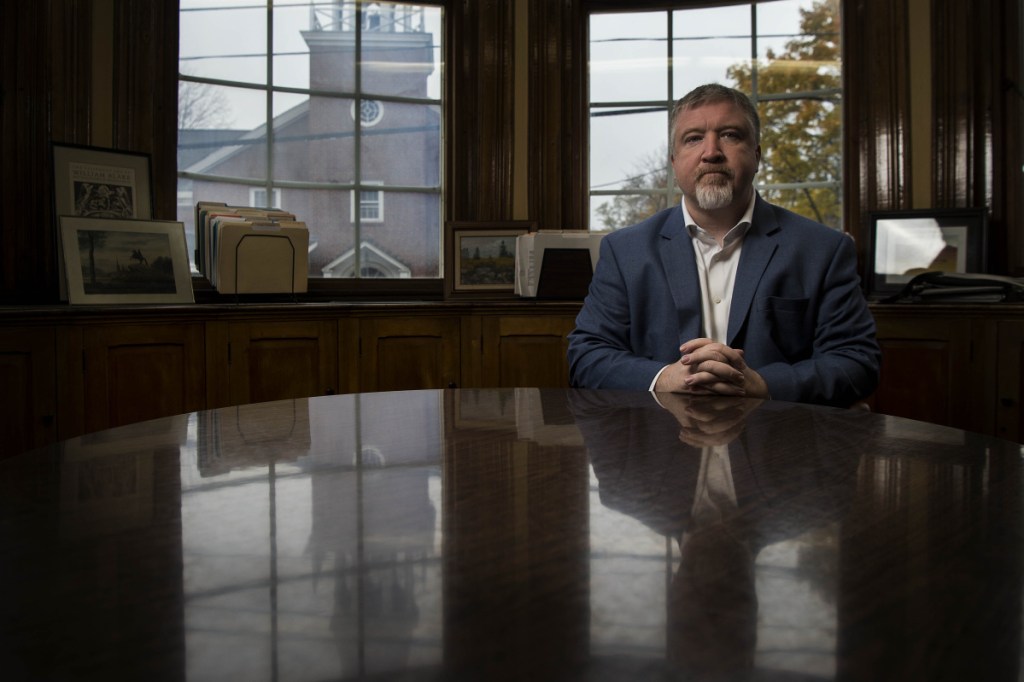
pixel 712 93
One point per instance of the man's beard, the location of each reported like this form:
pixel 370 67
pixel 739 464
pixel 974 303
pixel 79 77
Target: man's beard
pixel 716 192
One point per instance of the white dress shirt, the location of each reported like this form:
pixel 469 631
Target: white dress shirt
pixel 716 266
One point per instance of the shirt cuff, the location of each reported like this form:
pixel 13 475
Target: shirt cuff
pixel 655 382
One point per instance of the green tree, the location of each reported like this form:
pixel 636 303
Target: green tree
pixel 801 137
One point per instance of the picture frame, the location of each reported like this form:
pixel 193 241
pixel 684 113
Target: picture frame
pixel 109 260
pixel 902 244
pixel 97 182
pixel 480 257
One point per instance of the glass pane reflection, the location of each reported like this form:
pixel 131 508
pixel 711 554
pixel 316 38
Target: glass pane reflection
pixel 310 569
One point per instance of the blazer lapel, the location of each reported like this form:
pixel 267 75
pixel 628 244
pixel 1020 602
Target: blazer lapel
pixel 677 258
pixel 759 246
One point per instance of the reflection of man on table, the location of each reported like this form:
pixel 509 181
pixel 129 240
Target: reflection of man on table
pixel 719 475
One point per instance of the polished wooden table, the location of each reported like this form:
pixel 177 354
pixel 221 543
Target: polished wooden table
pixel 514 534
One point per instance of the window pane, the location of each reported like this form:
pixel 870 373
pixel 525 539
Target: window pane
pixel 798 47
pixel 708 43
pixel 623 210
pixel 222 112
pixel 822 204
pixel 314 144
pixel 405 244
pixel 398 50
pixel 409 132
pixel 628 57
pixel 291 49
pixel 408 240
pixel 216 131
pixel 627 150
pixel 207 50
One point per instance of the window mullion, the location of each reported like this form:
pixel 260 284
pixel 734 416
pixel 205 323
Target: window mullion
pixel 357 149
pixel 269 154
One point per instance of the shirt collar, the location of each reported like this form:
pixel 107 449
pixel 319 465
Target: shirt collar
pixel 738 230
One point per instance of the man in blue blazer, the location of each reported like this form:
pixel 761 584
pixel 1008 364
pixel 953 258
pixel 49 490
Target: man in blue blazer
pixel 726 294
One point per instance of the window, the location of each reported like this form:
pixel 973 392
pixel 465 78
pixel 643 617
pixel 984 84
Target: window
pixel 785 54
pixel 258 198
pixel 298 103
pixel 371 205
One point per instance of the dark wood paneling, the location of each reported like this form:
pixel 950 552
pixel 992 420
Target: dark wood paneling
pixel 557 140
pixel 936 367
pixel 269 360
pixel 45 85
pixel 139 372
pixel 480 122
pixel 145 90
pixel 409 353
pixel 876 93
pixel 28 371
pixel 975 81
pixel 525 351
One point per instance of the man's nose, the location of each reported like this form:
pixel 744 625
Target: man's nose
pixel 712 149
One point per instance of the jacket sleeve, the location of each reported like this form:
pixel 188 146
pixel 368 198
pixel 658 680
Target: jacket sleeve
pixel 600 349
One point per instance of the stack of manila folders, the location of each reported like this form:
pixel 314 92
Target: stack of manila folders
pixel 246 250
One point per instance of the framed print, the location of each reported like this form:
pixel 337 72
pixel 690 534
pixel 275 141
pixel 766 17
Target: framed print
pixel 480 258
pixel 902 244
pixel 125 261
pixel 99 183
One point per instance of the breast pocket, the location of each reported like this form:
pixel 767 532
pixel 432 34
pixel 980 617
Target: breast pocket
pixel 790 324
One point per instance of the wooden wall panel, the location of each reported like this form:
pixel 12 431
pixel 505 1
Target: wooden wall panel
pixel 138 372
pixel 525 351
pixel 480 112
pixel 557 140
pixel 145 91
pixel 402 353
pixel 44 96
pixel 876 111
pixel 977 100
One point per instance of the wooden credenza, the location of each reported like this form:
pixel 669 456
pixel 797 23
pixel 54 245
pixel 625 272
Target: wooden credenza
pixel 956 365
pixel 69 371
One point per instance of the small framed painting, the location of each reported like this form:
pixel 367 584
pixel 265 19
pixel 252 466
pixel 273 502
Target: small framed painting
pixel 125 261
pixel 902 244
pixel 480 258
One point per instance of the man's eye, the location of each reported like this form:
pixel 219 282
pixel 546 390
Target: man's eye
pixel 691 139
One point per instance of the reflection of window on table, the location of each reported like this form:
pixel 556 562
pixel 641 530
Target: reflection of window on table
pixel 340 544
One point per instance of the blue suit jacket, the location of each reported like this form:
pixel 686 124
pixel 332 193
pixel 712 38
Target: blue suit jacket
pixel 797 308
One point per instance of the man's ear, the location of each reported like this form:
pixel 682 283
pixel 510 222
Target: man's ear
pixel 757 153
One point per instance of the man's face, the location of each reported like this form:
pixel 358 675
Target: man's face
pixel 715 156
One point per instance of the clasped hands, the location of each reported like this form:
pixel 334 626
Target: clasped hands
pixel 707 367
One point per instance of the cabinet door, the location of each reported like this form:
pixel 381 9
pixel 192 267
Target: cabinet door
pixel 1010 378
pixel 28 376
pixel 520 350
pixel 252 362
pixel 930 371
pixel 408 353
pixel 138 372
